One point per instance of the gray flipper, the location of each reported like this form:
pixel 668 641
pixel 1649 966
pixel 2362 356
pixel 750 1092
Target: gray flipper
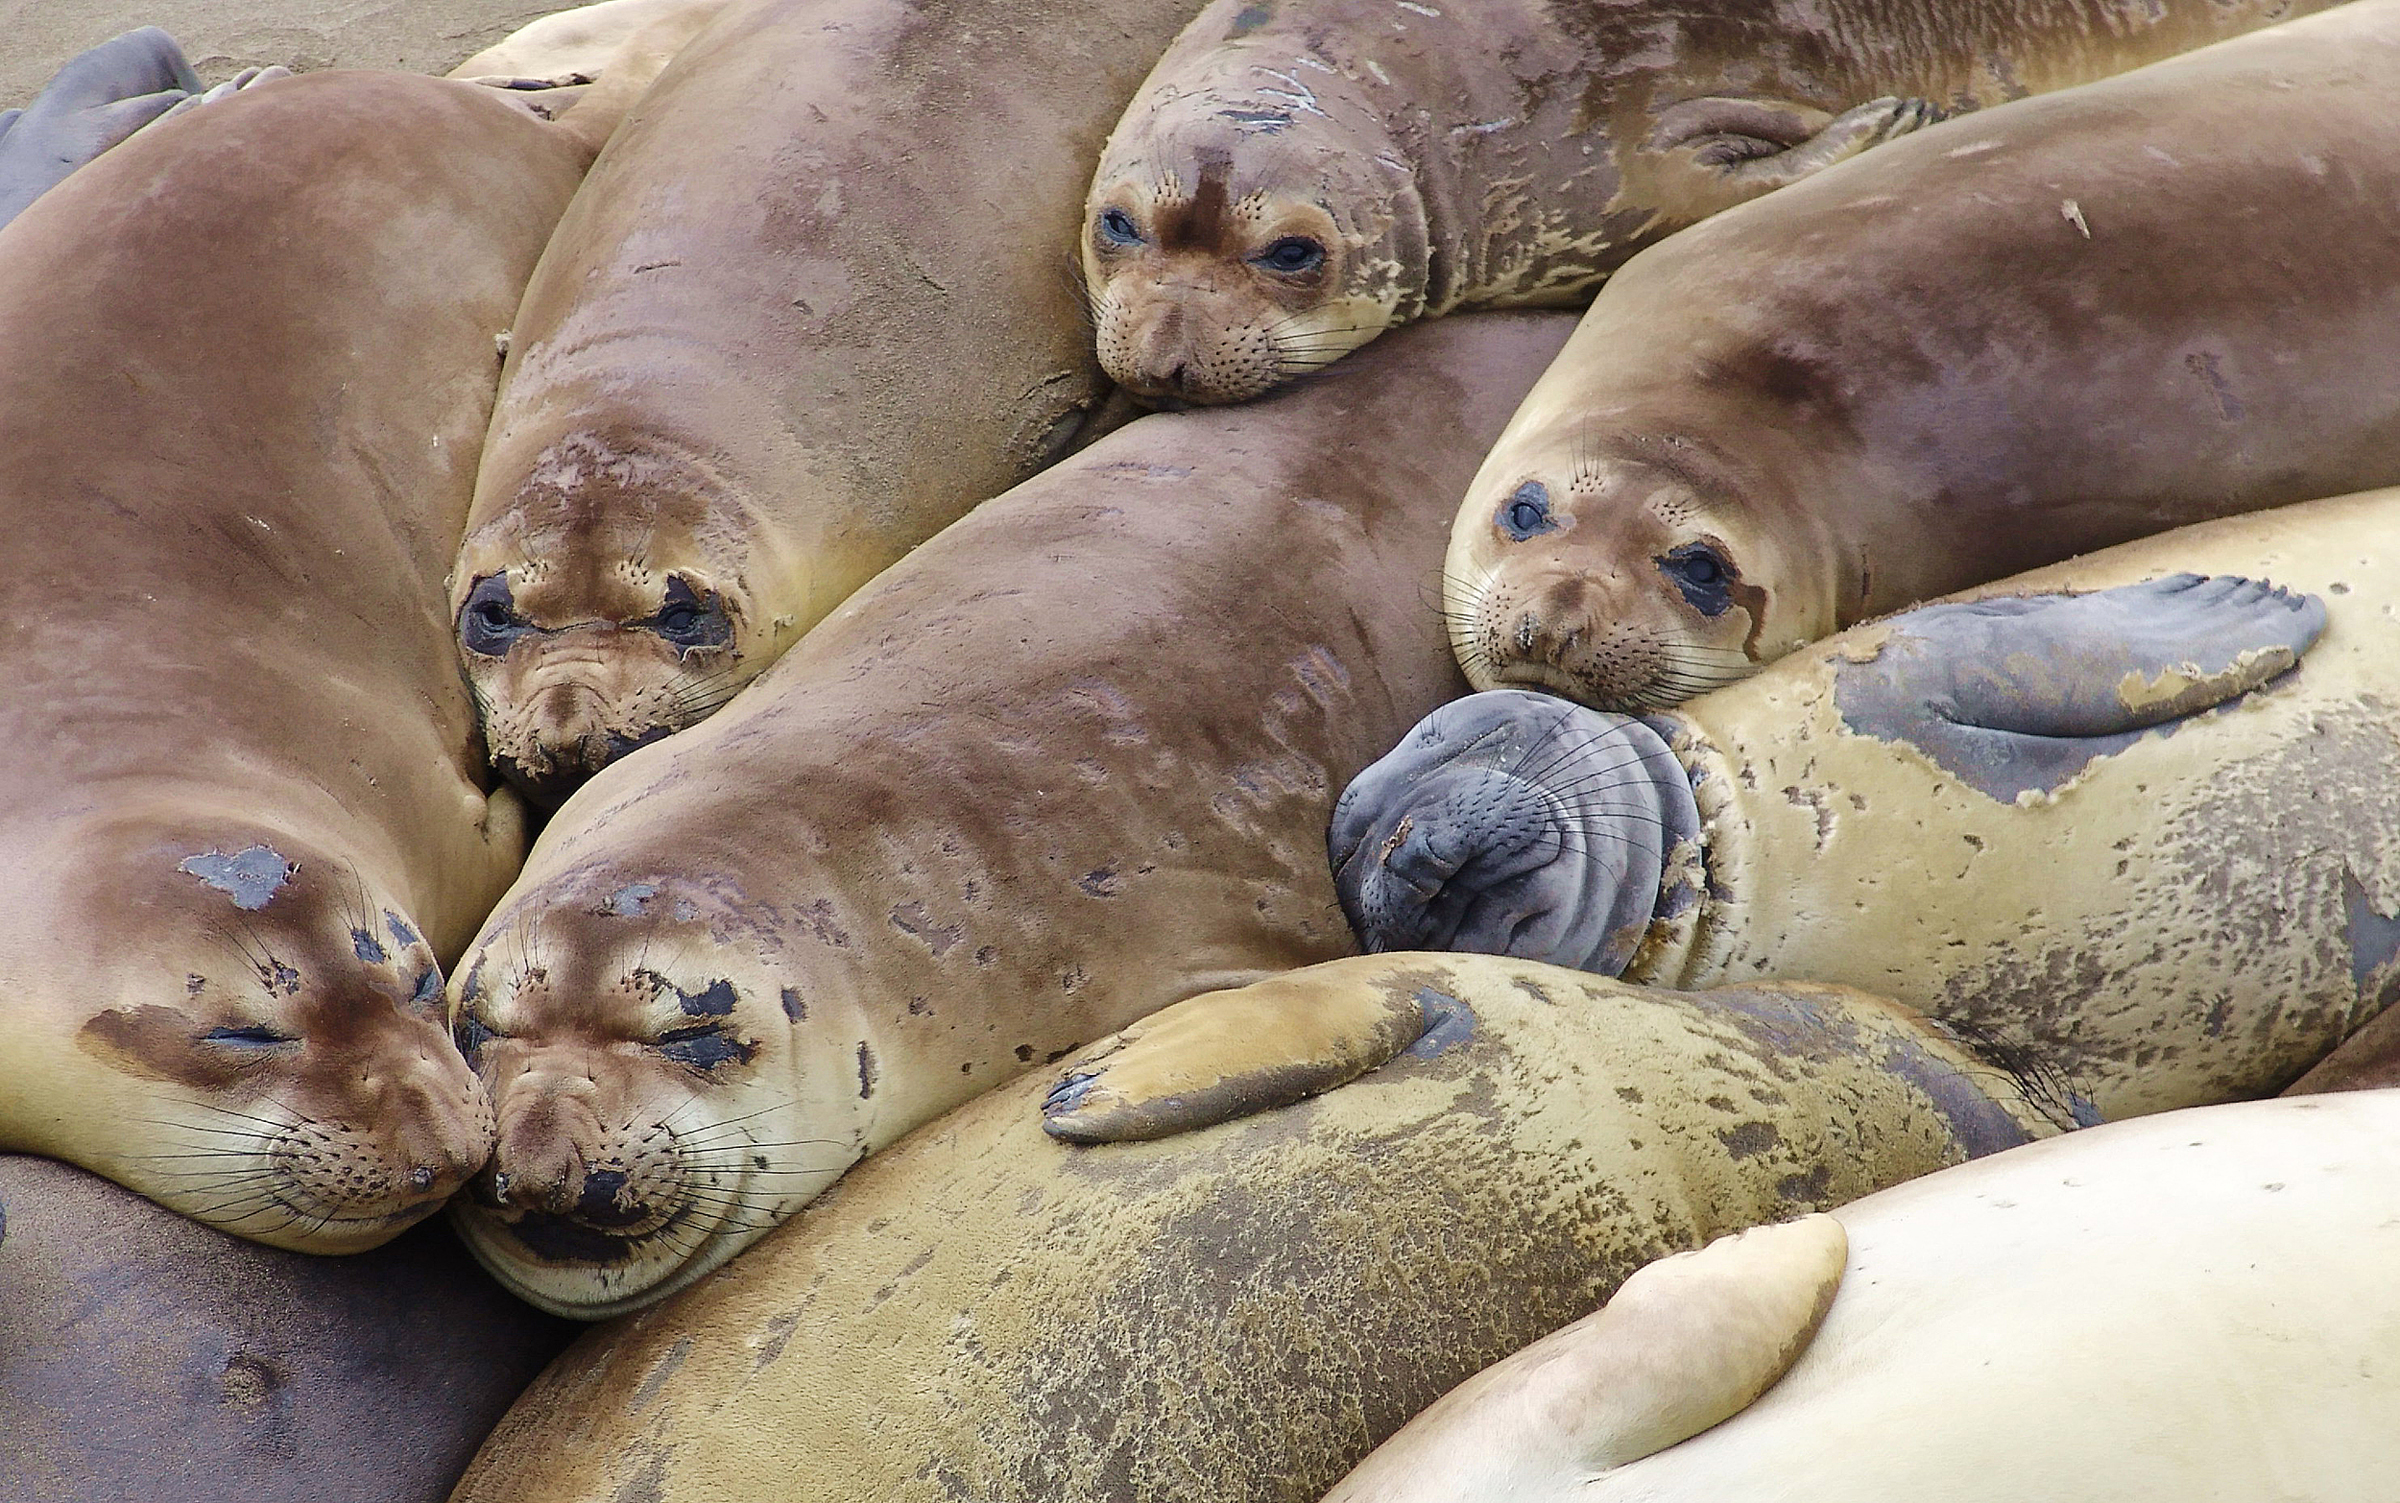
pixel 7 119
pixel 2019 694
pixel 1512 823
pixel 95 101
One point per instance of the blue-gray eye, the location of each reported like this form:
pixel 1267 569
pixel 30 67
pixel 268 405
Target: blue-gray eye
pixel 1117 228
pixel 1526 512
pixel 689 619
pixel 1702 575
pixel 488 623
pixel 1292 255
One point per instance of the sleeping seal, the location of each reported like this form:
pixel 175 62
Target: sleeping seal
pixel 2196 1308
pixel 2086 814
pixel 1240 1314
pixel 250 360
pixel 1295 178
pixel 2008 339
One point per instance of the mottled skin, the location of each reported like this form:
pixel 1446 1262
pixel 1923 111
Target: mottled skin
pixel 1240 1314
pixel 147 1355
pixel 243 808
pixel 2003 341
pixel 1297 176
pixel 810 308
pixel 2186 910
pixel 1068 763
pixel 2192 1309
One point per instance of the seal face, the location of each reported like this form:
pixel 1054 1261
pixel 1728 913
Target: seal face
pixel 593 619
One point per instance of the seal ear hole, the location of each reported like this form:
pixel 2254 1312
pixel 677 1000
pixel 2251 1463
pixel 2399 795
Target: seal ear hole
pixel 690 619
pixel 488 623
pixel 1702 575
pixel 1114 229
pixel 1526 513
pixel 1292 256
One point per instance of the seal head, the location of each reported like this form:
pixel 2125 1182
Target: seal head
pixel 1248 231
pixel 602 610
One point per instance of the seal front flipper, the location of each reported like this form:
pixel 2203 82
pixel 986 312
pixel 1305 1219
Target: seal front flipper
pixel 97 100
pixel 2021 693
pixel 1748 146
pixel 1513 823
pixel 1687 1342
pixel 1231 1054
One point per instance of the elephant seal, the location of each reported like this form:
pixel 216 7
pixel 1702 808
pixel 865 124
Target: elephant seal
pixel 586 68
pixel 147 1356
pixel 1068 763
pixel 97 100
pixel 2193 1307
pixel 250 361
pixel 1294 179
pixel 736 394
pixel 1241 1314
pixel 1882 386
pixel 2017 811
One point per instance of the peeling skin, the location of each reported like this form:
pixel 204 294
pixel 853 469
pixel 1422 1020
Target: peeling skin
pixel 2175 921
pixel 1512 153
pixel 251 876
pixel 1239 1313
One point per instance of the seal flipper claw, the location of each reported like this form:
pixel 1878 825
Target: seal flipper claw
pixel 2016 693
pixel 1229 1054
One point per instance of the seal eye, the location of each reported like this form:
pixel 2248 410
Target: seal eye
pixel 1526 512
pixel 703 1047
pixel 488 623
pixel 1291 255
pixel 470 1035
pixel 690 620
pixel 249 1036
pixel 1116 227
pixel 1702 575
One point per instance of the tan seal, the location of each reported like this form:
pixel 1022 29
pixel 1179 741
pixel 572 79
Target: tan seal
pixel 808 310
pixel 1240 1314
pixel 2194 1306
pixel 2006 340
pixel 1297 176
pixel 1067 763
pixel 251 356
pixel 2118 817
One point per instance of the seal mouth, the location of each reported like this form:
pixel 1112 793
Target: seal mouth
pixel 1549 678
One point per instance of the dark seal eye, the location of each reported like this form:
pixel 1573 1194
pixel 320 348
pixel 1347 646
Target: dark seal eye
pixel 249 1036
pixel 703 1047
pixel 1292 255
pixel 470 1035
pixel 691 620
pixel 1116 227
pixel 1526 512
pixel 488 623
pixel 1702 575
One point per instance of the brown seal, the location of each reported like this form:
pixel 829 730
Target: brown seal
pixel 147 1354
pixel 1295 178
pixel 251 356
pixel 1068 763
pixel 2006 340
pixel 808 310
pixel 1240 1314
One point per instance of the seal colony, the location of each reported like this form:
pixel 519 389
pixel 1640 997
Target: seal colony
pixel 1294 179
pixel 2006 340
pixel 2189 1307
pixel 2013 811
pixel 1241 1314
pixel 250 364
pixel 766 354
pixel 1064 765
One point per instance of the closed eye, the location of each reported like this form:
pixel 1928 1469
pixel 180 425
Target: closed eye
pixel 704 1047
pixel 249 1036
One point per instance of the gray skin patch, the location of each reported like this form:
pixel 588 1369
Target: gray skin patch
pixel 1513 823
pixel 1449 1023
pixel 94 102
pixel 2374 942
pixel 251 876
pixel 627 901
pixel 2021 694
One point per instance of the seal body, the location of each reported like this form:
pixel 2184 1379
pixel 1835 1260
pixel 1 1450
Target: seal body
pixel 97 100
pixel 139 1347
pixel 1068 763
pixel 2053 819
pixel 2005 340
pixel 2191 1307
pixel 807 311
pixel 251 360
pixel 1294 178
pixel 1241 1313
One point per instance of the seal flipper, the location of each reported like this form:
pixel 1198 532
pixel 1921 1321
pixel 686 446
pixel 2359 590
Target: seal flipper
pixel 2020 693
pixel 1687 1342
pixel 1230 1054
pixel 1751 146
pixel 97 100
